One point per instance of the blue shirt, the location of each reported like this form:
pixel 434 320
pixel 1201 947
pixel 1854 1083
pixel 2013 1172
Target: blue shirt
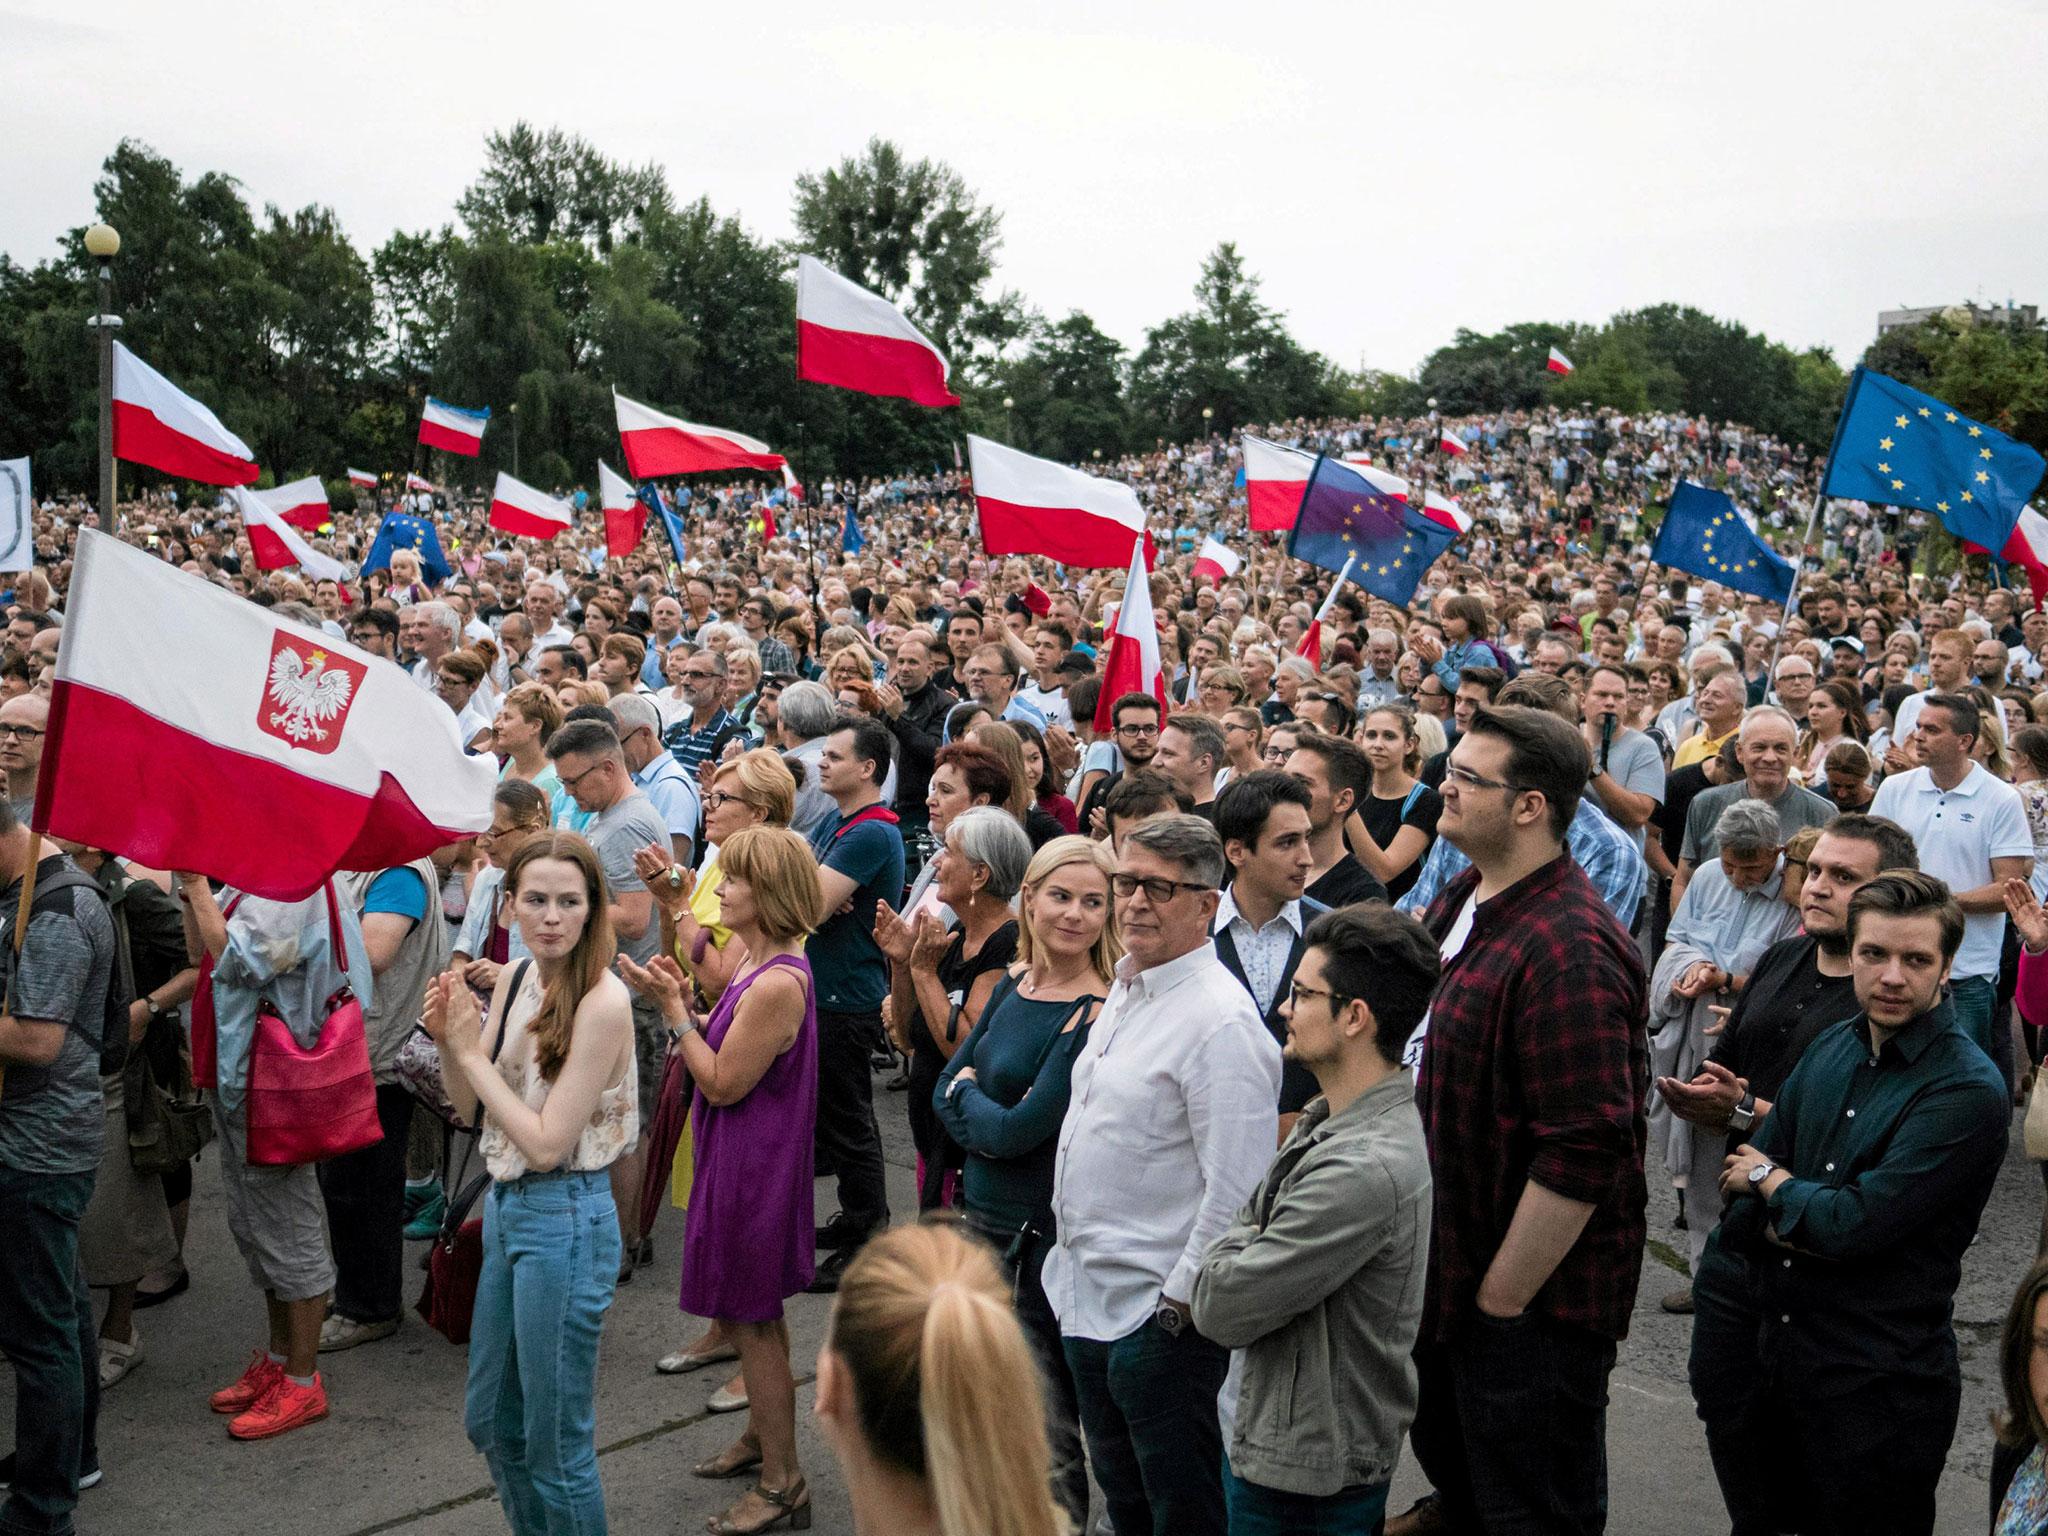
pixel 1607 854
pixel 675 797
pixel 851 974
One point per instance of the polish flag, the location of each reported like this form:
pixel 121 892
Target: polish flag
pixel 1275 480
pixel 1217 561
pixel 625 514
pixel 1031 506
pixel 418 483
pixel 1385 483
pixel 258 751
pixel 363 478
pixel 1441 509
pixel 791 484
pixel 858 340
pixel 453 428
pixel 2028 549
pixel 277 543
pixel 1452 444
pixel 303 503
pixel 158 424
pixel 518 509
pixel 1311 647
pixel 1133 662
pixel 1558 363
pixel 659 445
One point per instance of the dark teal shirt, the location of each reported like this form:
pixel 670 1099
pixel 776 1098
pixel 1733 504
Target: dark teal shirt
pixel 1893 1157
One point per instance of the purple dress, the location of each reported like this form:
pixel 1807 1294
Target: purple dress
pixel 749 1235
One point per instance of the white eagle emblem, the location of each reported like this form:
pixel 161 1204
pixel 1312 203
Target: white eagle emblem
pixel 307 694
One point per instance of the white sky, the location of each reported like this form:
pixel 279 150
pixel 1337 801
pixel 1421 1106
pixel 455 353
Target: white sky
pixel 1390 174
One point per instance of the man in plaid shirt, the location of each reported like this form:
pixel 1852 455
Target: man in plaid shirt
pixel 1533 1075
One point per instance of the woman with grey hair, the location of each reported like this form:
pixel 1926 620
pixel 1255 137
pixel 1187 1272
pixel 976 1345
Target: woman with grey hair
pixel 1730 914
pixel 940 978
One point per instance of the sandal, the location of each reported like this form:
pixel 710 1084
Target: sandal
pixel 726 1464
pixel 792 1505
pixel 682 1362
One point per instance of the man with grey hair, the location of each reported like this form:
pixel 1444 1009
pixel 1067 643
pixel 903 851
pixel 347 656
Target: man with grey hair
pixel 1731 913
pixel 702 738
pixel 440 631
pixel 1676 719
pixel 1376 680
pixel 1172 1121
pixel 656 774
pixel 806 715
pixel 1766 743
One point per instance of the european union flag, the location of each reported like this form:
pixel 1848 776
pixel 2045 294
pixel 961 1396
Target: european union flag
pixel 671 524
pixel 1900 448
pixel 851 540
pixel 1345 518
pixel 401 530
pixel 1705 535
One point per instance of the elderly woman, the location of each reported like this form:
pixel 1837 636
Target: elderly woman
pixel 527 716
pixel 1730 914
pixel 458 679
pixel 940 976
pixel 964 775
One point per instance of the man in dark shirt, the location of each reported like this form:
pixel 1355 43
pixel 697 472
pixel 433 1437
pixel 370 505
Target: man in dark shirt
pixel 1846 1229
pixel 914 708
pixel 1338 777
pixel 1667 826
pixel 1534 1064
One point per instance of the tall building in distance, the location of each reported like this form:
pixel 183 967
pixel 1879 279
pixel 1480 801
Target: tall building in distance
pixel 2023 317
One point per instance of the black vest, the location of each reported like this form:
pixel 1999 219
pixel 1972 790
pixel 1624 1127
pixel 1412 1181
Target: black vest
pixel 1297 1083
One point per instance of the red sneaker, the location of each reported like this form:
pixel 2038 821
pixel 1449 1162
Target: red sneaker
pixel 287 1405
pixel 254 1383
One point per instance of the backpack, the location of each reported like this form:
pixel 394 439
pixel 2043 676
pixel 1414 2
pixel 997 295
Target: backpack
pixel 51 896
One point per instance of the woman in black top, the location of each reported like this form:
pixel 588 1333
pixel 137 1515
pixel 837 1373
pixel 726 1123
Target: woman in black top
pixel 1399 811
pixel 940 978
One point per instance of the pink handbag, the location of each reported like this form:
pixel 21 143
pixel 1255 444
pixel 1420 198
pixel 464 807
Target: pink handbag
pixel 305 1106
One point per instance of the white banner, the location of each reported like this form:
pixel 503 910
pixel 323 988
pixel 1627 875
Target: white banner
pixel 17 517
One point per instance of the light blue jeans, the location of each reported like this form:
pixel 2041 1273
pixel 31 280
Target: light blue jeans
pixel 551 1263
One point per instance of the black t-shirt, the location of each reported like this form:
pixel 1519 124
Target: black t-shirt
pixel 1784 1009
pixel 1681 787
pixel 1383 818
pixel 1345 882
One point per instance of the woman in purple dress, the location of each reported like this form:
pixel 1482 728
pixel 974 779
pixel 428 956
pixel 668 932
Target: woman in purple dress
pixel 748 1239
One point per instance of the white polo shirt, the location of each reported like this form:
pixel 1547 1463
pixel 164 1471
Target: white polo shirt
pixel 1959 832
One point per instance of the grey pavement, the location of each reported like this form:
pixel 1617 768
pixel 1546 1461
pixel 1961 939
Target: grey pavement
pixel 393 1458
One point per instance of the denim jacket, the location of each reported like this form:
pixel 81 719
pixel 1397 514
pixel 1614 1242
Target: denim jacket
pixel 1320 1282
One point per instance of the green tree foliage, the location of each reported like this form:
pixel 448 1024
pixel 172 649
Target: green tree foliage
pixel 1230 354
pixel 1068 385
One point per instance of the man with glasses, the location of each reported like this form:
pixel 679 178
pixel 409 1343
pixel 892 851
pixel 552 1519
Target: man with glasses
pixel 657 774
pixel 1241 734
pixel 1136 717
pixel 374 630
pixel 1533 1073
pixel 1171 1119
pixel 592 767
pixel 699 740
pixel 23 721
pixel 1432 698
pixel 757 618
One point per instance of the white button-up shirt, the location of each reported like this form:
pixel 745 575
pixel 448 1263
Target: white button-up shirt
pixel 1172 1124
pixel 1264 951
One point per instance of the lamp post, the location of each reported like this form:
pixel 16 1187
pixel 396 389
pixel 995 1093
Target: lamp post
pixel 515 437
pixel 103 243
pixel 1010 420
pixel 1208 415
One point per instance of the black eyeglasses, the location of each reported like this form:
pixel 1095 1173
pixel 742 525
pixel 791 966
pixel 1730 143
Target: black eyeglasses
pixel 1158 890
pixel 1296 992
pixel 1464 778
pixel 20 732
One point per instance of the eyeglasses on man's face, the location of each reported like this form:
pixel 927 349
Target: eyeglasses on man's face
pixel 1158 890
pixel 20 732
pixel 1296 992
pixel 1145 729
pixel 1465 778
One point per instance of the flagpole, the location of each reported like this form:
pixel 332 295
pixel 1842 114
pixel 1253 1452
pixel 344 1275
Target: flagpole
pixel 1792 594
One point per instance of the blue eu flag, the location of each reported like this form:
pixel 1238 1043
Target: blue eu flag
pixel 1344 517
pixel 1900 448
pixel 672 525
pixel 851 540
pixel 401 530
pixel 1705 535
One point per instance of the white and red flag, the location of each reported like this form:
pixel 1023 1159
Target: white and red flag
pixel 2027 549
pixel 239 744
pixel 791 484
pixel 1386 482
pixel 1441 509
pixel 418 483
pixel 1452 444
pixel 1032 506
pixel 303 503
pixel 277 544
pixel 158 424
pixel 658 445
pixel 858 340
pixel 1132 665
pixel 1558 362
pixel 518 509
pixel 1311 647
pixel 1216 560
pixel 454 428
pixel 625 514
pixel 363 478
pixel 1275 479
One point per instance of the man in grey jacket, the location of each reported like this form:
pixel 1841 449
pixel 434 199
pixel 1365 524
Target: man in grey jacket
pixel 1319 1280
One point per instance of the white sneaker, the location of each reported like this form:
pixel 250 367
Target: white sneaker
pixel 118 1359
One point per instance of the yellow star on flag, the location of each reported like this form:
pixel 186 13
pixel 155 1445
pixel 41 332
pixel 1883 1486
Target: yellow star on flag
pixel 1902 421
pixel 1982 478
pixel 1968 497
pixel 1948 415
pixel 1974 431
pixel 1941 506
pixel 1885 443
pixel 1884 469
pixel 1983 453
pixel 1925 412
pixel 1898 485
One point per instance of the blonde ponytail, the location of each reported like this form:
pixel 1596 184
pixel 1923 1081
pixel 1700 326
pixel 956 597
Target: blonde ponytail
pixel 940 1367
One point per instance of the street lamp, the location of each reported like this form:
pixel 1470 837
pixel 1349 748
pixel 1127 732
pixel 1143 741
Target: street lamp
pixel 1208 415
pixel 515 437
pixel 103 243
pixel 1009 421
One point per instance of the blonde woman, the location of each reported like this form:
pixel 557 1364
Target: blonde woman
pixel 526 718
pixel 918 1382
pixel 1004 1093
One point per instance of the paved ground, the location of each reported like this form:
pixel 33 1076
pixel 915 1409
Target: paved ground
pixel 393 1456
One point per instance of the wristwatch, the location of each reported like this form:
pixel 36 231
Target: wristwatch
pixel 1743 1116
pixel 1169 1318
pixel 1758 1174
pixel 675 877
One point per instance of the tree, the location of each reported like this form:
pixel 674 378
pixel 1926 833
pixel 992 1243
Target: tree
pixel 1501 372
pixel 1994 372
pixel 537 187
pixel 1068 384
pixel 1230 354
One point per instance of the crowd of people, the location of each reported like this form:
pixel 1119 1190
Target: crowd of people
pixel 1282 1055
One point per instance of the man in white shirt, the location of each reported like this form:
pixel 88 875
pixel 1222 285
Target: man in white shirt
pixel 1172 1121
pixel 1046 691
pixel 1948 671
pixel 543 605
pixel 440 631
pixel 1971 830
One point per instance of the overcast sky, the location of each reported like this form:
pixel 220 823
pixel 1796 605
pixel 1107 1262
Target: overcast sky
pixel 1392 174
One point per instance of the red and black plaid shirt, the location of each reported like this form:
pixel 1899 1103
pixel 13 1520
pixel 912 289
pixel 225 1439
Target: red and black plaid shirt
pixel 1536 1067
